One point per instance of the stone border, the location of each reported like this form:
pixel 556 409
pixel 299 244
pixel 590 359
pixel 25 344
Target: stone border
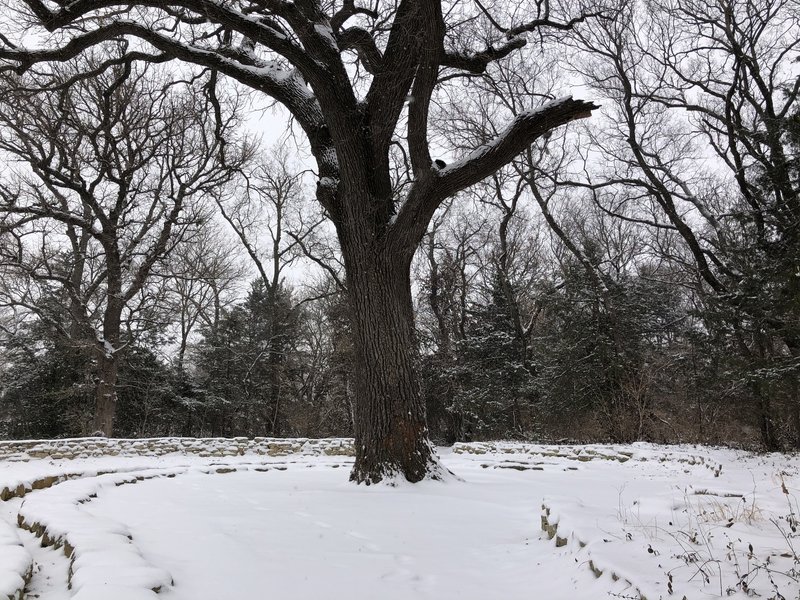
pixel 24 576
pixel 20 491
pixel 60 541
pixel 578 453
pixel 23 489
pixel 86 448
pixel 50 536
pixel 551 529
pixel 585 453
pixel 76 448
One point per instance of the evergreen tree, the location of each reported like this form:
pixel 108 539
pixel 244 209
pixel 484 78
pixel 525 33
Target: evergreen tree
pixel 494 383
pixel 44 391
pixel 47 385
pixel 243 360
pixel 603 351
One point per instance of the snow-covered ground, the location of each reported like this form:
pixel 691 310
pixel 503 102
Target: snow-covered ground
pixel 516 521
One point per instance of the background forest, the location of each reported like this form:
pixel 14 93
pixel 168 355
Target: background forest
pixel 635 276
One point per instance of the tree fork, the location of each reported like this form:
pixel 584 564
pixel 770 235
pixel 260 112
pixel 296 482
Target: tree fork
pixel 350 140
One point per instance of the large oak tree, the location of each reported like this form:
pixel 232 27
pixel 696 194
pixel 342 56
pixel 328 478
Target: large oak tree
pixel 357 81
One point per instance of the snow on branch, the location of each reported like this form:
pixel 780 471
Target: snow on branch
pixel 428 193
pixel 258 29
pixel 521 133
pixel 285 85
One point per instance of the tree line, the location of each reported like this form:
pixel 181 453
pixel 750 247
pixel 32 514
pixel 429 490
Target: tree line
pixel 631 276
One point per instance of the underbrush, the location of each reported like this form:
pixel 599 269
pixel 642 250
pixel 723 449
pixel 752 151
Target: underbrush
pixel 726 541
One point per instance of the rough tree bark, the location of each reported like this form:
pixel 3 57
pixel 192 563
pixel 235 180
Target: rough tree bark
pixel 390 427
pixel 108 348
pixel 105 392
pixel 350 135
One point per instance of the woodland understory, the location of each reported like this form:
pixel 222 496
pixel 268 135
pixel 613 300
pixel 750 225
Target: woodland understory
pixel 439 242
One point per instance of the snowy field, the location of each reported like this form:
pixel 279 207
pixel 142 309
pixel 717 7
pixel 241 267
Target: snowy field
pixel 515 522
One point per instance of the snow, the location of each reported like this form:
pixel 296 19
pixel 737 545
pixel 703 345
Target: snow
pixel 326 33
pixel 311 534
pixel 272 69
pixel 101 549
pixel 15 561
pixel 478 152
pixel 516 521
pixel 328 182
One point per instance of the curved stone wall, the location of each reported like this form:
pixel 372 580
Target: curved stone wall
pixel 204 447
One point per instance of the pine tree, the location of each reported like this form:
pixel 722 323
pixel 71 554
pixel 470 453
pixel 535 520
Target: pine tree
pixel 244 360
pixel 494 382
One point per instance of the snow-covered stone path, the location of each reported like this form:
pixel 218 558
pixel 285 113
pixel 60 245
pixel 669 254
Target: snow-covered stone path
pixel 523 521
pixel 49 577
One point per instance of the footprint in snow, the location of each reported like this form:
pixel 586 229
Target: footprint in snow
pixel 323 524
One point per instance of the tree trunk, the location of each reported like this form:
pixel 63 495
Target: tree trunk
pixel 107 350
pixel 391 435
pixel 794 409
pixel 764 410
pixel 106 393
pixel 274 367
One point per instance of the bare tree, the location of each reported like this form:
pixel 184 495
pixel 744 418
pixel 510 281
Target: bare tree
pixel 448 271
pixel 608 246
pixel 699 144
pixel 321 371
pixel 354 79
pixel 108 171
pixel 274 226
pixel 508 90
pixel 202 274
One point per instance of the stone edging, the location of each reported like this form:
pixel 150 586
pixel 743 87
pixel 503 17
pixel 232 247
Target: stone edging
pixel 66 449
pixel 22 556
pixel 61 540
pixel 583 453
pixel 569 539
